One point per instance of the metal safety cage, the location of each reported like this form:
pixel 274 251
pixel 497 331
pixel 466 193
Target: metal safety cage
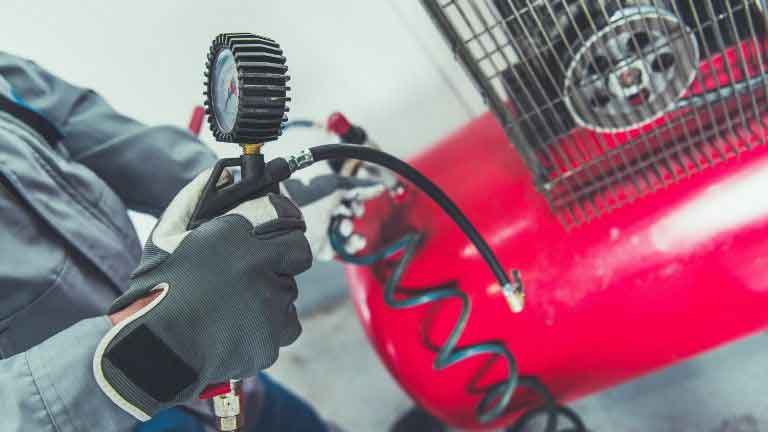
pixel 607 100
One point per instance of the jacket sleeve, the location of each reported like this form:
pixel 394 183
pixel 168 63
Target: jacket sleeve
pixel 145 165
pixel 51 387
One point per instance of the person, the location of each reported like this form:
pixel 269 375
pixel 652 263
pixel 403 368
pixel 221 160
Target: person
pixel 98 333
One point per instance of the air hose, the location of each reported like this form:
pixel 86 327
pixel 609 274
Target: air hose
pixel 302 123
pixel 449 354
pixel 497 398
pixel 367 154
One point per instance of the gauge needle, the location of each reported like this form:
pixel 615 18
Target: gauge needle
pixel 231 90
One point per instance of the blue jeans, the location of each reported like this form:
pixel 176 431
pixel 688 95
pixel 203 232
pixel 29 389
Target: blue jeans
pixel 281 411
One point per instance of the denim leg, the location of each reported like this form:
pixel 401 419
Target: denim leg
pixel 279 411
pixel 283 411
pixel 171 420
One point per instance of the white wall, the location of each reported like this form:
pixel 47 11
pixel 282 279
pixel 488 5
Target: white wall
pixel 358 56
pixel 379 61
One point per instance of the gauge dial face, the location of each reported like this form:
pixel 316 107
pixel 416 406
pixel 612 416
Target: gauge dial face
pixel 245 88
pixel 226 90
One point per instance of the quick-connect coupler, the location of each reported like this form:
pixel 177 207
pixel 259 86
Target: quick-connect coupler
pixel 227 408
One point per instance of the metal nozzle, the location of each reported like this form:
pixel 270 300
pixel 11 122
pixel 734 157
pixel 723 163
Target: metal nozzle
pixel 301 160
pixel 227 409
pixel 514 293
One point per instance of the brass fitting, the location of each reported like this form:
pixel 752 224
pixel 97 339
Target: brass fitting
pixel 251 149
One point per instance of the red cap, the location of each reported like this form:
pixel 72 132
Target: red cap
pixel 214 390
pixel 338 124
pixel 196 121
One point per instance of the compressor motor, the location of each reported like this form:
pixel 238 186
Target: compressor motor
pixel 610 65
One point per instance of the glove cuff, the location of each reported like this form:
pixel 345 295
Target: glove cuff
pixel 112 381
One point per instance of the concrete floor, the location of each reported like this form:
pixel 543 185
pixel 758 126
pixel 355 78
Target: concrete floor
pixel 334 367
pixel 382 63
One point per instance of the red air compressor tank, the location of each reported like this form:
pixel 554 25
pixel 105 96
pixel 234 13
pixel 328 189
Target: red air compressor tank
pixel 671 274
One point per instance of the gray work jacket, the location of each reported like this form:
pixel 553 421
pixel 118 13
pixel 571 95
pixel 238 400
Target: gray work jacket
pixel 67 247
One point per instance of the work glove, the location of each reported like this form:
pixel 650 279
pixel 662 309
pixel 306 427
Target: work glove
pixel 328 197
pixel 225 305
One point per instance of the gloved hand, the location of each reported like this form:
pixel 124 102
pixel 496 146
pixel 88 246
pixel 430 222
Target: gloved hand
pixel 327 196
pixel 225 303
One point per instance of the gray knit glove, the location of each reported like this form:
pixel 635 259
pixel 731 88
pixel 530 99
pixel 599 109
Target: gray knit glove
pixel 225 308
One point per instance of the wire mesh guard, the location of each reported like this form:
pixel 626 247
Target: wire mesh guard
pixel 607 100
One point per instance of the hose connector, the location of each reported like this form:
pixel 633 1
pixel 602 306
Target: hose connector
pixel 251 149
pixel 301 160
pixel 227 408
pixel 514 293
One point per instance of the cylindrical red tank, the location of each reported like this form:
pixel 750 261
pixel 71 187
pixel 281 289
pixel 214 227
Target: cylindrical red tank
pixel 677 272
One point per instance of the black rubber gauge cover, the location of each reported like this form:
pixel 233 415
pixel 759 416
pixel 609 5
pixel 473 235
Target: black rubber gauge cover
pixel 256 78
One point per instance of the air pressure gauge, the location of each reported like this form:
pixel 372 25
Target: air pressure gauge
pixel 245 99
pixel 246 102
pixel 245 88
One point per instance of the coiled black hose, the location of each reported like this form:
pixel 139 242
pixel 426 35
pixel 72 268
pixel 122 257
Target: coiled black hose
pixel 449 353
pixel 497 398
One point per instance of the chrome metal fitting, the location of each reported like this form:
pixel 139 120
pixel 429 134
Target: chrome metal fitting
pixel 301 160
pixel 227 409
pixel 514 293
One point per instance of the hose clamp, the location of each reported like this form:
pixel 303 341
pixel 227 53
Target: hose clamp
pixel 301 160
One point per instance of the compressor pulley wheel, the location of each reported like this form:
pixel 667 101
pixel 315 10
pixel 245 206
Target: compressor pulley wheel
pixel 632 71
pixel 245 88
